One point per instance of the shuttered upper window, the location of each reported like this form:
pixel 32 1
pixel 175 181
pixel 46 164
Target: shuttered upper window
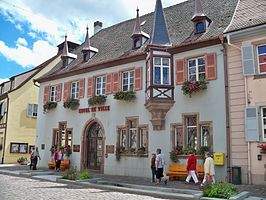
pixel 261 51
pixel 74 90
pixel 100 85
pixel 128 81
pixel 263 119
pixel 52 93
pixel 161 70
pixel 196 69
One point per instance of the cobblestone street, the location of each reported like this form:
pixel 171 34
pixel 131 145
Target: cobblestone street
pixel 14 188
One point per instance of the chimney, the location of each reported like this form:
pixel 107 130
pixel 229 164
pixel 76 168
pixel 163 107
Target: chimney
pixel 97 26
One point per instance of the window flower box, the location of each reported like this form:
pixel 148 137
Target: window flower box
pixel 190 87
pixel 125 95
pixel 97 100
pixel 262 148
pixel 72 104
pixel 49 106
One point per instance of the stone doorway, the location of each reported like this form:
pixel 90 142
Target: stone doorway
pixel 92 152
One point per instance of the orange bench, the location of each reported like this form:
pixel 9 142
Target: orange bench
pixel 65 164
pixel 180 171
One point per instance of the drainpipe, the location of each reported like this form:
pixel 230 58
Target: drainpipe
pixel 228 139
pixel 4 145
pixel 246 103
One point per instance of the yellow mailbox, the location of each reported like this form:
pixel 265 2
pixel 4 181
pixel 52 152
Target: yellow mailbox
pixel 218 158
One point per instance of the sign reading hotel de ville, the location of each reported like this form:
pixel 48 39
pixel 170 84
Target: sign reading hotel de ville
pixel 94 109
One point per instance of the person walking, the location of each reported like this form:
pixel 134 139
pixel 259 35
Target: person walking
pixel 35 156
pixel 209 170
pixel 58 158
pixel 159 166
pixel 192 168
pixel 153 167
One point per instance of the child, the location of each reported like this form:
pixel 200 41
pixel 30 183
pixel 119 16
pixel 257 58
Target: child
pixel 153 167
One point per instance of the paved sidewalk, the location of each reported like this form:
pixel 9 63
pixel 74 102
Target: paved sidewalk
pixel 255 190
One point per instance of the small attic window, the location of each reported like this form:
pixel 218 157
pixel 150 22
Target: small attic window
pixel 200 28
pixel 137 43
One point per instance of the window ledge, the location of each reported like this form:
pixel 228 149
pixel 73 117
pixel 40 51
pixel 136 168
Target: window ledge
pixel 134 155
pixel 259 76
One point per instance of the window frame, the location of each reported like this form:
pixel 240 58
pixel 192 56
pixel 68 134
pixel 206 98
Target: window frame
pixel 263 127
pixel 74 94
pixel 203 26
pixel 257 55
pixel 129 83
pixel 197 67
pixel 19 147
pixel 102 88
pixel 53 93
pixel 34 107
pixel 162 67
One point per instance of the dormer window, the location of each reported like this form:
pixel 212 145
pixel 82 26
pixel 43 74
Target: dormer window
pixel 137 43
pixel 200 28
pixel 87 50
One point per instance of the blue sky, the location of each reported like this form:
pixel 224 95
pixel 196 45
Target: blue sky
pixel 30 30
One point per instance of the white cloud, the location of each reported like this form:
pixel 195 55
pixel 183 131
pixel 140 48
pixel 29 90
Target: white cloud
pixel 26 57
pixel 19 27
pixel 3 80
pixel 32 35
pixel 21 41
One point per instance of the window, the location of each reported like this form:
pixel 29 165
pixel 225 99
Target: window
pixel 200 27
pixel 178 136
pixel 263 119
pixel 32 110
pixel 19 148
pixel 62 136
pixel 53 94
pixel 74 90
pixel 205 136
pixel 161 71
pixel 137 43
pixel 191 130
pixel 2 109
pixel 133 137
pixel 261 51
pixel 100 85
pixel 196 69
pixel 128 81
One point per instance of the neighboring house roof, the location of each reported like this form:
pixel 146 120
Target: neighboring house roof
pixel 115 43
pixel 249 13
pixel 24 77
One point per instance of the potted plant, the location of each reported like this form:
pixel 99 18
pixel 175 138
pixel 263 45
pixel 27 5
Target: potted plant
pixel 71 103
pixel 67 151
pixel 22 160
pixel 262 148
pixel 190 87
pixel 118 152
pixel 141 151
pixel 97 100
pixel 52 150
pixel 203 150
pixel 125 95
pixel 49 106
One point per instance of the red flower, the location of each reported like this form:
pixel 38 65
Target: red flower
pixel 262 146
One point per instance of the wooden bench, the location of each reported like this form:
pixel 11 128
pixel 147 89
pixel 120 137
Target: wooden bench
pixel 180 171
pixel 65 164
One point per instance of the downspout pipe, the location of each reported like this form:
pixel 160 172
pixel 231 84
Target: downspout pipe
pixel 228 138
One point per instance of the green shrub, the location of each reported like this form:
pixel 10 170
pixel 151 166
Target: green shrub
pixel 173 156
pixel 125 95
pixel 220 190
pixel 71 174
pixel 97 100
pixel 72 104
pixel 49 106
pixel 83 175
pixel 22 160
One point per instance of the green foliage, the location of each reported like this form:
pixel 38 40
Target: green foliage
pixel 97 100
pixel 141 151
pixel 71 174
pixel 190 87
pixel 22 160
pixel 203 149
pixel 220 190
pixel 67 151
pixel 173 156
pixel 83 175
pixel 49 106
pixel 72 104
pixel 52 150
pixel 126 96
pixel 191 150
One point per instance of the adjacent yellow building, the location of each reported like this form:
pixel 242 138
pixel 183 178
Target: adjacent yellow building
pixel 18 112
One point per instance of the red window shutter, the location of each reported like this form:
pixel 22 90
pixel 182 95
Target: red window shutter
pixel 81 88
pixel 66 90
pixel 108 84
pixel 138 79
pixel 46 94
pixel 210 66
pixel 58 92
pixel 90 87
pixel 180 72
pixel 115 83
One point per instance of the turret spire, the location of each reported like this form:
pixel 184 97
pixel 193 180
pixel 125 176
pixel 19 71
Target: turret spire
pixel 87 40
pixel 159 33
pixel 65 49
pixel 137 27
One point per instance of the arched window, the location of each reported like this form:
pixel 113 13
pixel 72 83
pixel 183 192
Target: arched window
pixel 200 27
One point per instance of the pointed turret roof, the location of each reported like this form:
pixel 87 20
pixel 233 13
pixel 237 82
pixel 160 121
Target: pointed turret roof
pixel 137 27
pixel 65 49
pixel 86 45
pixel 160 32
pixel 198 11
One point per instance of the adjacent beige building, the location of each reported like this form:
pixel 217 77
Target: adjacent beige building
pixel 247 97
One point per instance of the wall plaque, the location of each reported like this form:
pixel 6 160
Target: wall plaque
pixel 110 148
pixel 76 148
